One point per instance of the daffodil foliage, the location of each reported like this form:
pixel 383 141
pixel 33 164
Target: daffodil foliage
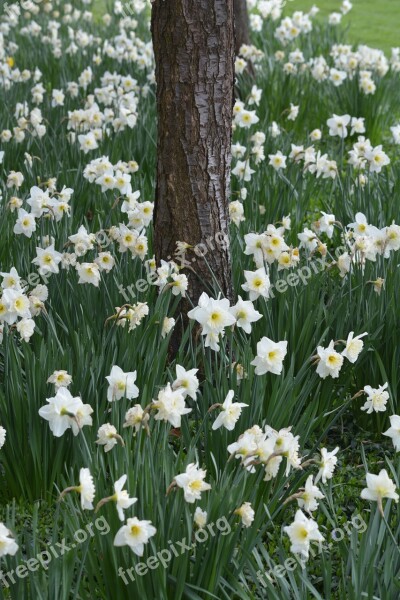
pixel 259 461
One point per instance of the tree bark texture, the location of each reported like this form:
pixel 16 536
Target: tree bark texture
pixel 194 52
pixel 242 32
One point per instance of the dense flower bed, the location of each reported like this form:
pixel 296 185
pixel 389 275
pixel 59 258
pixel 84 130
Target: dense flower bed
pixel 262 461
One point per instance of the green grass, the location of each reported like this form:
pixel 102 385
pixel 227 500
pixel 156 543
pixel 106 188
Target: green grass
pixel 369 22
pixel 35 466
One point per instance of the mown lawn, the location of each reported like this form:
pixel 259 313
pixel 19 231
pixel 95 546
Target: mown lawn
pixel 370 22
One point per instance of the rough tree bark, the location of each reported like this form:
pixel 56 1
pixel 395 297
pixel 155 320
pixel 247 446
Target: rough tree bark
pixel 194 52
pixel 242 32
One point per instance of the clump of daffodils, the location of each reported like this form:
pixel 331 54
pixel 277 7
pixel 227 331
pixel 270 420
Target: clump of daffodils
pixel 329 361
pixel 170 406
pixel 169 277
pixel 63 411
pixel 96 108
pixel 376 398
pixel 267 448
pixel 132 315
pixel 18 306
pixel 43 204
pixel 213 316
pixel 192 482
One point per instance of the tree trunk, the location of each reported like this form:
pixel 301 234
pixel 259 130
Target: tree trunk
pixel 194 51
pixel 242 33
